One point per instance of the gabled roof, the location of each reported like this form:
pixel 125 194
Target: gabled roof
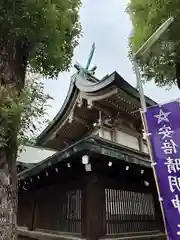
pixel 106 81
pixel 90 86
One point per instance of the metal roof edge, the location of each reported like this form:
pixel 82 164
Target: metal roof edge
pixel 65 105
pixel 94 87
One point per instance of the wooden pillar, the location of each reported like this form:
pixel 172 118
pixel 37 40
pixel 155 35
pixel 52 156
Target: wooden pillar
pixel 33 216
pixel 94 214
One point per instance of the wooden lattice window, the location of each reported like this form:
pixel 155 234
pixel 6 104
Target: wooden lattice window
pixel 74 210
pixel 128 211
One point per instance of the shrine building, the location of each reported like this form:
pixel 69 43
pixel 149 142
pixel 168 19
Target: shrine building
pixel 99 184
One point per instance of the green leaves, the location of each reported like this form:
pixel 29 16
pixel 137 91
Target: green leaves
pixel 49 27
pixel 47 31
pixel 146 16
pixel 31 105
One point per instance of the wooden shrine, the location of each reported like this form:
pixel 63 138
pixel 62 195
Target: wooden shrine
pixel 99 185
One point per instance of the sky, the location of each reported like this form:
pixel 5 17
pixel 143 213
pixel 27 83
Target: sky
pixel 105 23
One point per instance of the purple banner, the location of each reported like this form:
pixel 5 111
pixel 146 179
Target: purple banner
pixel 164 133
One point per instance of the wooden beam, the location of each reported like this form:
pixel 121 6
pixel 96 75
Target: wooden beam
pixel 37 235
pixel 83 122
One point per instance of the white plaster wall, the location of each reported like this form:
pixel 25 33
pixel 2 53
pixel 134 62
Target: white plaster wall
pixel 127 140
pixel 107 134
pixel 120 137
pixel 103 133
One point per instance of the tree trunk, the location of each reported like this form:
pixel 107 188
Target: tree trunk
pixel 13 63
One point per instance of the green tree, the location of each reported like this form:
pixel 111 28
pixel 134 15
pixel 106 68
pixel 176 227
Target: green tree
pixel 31 104
pixel 36 35
pixel 162 62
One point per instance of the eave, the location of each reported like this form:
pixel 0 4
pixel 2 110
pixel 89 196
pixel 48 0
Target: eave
pixel 72 92
pixel 91 145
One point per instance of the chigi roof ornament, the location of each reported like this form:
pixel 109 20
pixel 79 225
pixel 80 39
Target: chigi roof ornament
pixel 84 75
